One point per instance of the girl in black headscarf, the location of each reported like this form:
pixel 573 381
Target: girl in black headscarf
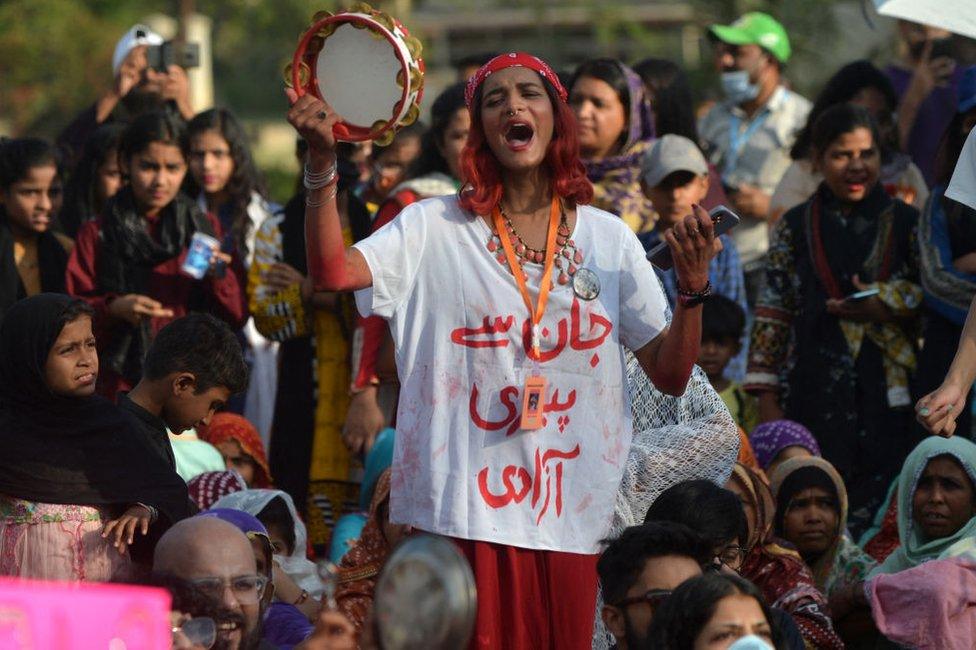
pixel 79 483
pixel 32 256
pixel 128 263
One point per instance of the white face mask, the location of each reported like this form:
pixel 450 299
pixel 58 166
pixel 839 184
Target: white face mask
pixel 750 642
pixel 738 88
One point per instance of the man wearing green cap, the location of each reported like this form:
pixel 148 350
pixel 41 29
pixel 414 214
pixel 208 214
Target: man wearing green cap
pixel 749 135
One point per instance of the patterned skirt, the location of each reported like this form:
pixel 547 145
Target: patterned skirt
pixel 45 541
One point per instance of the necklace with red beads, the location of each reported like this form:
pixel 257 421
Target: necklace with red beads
pixel 568 256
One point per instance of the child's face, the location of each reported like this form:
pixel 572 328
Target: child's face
pixel 31 201
pixel 455 137
pixel 390 165
pixel 185 408
pixel 236 459
pixel 108 178
pixel 851 165
pixel 674 196
pixel 279 540
pixel 155 175
pixel 211 162
pixel 715 355
pixel 72 363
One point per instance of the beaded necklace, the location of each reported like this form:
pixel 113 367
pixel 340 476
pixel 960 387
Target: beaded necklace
pixel 568 256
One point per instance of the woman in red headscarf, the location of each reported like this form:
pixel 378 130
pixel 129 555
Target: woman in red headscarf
pixel 239 442
pixel 510 306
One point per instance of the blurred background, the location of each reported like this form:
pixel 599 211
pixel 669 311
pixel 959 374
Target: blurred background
pixel 55 55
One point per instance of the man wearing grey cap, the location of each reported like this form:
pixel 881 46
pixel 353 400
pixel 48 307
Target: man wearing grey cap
pixel 674 176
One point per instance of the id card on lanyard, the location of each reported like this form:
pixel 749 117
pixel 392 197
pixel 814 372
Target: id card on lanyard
pixel 534 392
pixel 738 139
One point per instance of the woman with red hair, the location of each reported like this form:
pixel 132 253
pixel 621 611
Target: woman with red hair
pixel 510 307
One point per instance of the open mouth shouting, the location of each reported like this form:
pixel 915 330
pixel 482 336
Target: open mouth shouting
pixel 518 135
pixel 856 182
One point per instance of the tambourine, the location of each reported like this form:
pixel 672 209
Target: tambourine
pixel 367 66
pixel 425 596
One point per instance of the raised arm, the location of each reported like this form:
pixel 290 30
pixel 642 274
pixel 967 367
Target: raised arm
pixel 938 410
pixel 668 359
pixel 332 266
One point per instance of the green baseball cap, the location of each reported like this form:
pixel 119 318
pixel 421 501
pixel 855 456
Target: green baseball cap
pixel 756 28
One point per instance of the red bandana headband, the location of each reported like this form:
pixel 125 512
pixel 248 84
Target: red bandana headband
pixel 512 60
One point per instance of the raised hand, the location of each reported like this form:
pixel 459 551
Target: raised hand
pixel 313 119
pixel 693 245
pixel 938 410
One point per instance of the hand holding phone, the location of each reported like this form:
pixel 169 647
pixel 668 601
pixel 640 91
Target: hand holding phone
pixel 862 295
pixel 724 220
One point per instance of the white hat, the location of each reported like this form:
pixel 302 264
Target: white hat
pixel 671 153
pixel 138 35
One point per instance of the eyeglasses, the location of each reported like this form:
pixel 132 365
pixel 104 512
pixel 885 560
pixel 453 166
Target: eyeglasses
pixel 195 633
pixel 247 589
pixel 653 597
pixel 731 556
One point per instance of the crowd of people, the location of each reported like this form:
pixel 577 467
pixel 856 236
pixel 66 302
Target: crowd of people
pixel 461 334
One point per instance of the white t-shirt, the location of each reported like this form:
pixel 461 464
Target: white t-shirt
pixel 461 466
pixel 962 187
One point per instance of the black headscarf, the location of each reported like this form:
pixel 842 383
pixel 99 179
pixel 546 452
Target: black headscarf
pixel 70 450
pixel 127 255
pixel 798 481
pixel 52 260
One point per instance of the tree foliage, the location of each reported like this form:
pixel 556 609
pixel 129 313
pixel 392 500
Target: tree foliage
pixel 55 55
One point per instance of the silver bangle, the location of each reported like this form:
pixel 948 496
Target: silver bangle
pixel 314 184
pixel 328 197
pixel 331 169
pixel 318 180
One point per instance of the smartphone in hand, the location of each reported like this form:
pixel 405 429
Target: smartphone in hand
pixel 862 295
pixel 723 219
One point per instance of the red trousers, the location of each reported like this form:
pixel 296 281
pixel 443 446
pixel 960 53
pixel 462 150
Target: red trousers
pixel 531 600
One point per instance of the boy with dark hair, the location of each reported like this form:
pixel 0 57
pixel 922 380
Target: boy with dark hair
pixel 675 177
pixel 639 569
pixel 192 368
pixel 723 322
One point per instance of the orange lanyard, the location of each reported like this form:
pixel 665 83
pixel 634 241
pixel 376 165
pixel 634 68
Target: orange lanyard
pixel 535 312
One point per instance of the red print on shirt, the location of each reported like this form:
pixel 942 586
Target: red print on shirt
pixel 466 335
pixel 543 481
pixel 542 472
pixel 493 334
pixel 509 398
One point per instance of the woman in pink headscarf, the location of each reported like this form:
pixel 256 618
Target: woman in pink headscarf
pixel 510 306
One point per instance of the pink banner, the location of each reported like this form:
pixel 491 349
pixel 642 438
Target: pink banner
pixel 45 615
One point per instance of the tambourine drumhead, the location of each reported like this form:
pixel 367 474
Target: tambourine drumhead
pixel 366 66
pixel 356 73
pixel 425 597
